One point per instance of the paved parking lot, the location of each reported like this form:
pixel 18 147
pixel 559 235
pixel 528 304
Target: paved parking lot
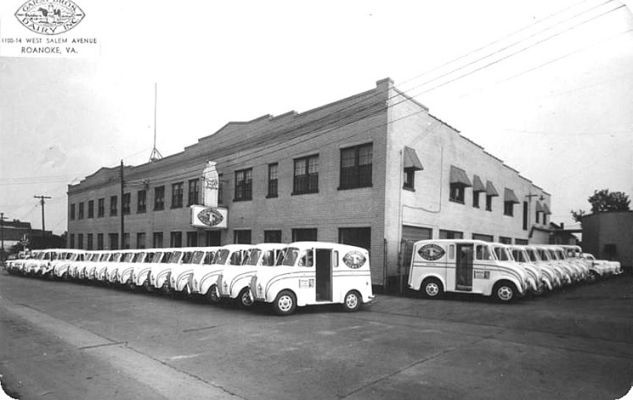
pixel 64 340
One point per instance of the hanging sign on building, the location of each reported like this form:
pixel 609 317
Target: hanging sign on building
pixel 210 185
pixel 209 217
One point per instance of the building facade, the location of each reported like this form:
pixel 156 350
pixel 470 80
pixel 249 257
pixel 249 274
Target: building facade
pixel 375 170
pixel 609 236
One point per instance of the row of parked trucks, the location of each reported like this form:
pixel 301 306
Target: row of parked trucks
pixel 306 273
pixel 286 275
pixel 499 270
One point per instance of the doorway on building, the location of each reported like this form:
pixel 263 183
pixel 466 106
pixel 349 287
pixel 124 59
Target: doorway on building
pixel 323 275
pixel 464 267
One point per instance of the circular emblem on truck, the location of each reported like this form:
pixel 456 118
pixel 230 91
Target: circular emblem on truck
pixel 49 17
pixel 210 217
pixel 431 252
pixel 354 259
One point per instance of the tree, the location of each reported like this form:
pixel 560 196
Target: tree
pixel 603 201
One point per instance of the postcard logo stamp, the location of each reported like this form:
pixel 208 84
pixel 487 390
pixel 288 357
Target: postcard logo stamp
pixel 50 17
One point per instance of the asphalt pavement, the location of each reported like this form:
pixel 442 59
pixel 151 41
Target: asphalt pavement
pixel 65 340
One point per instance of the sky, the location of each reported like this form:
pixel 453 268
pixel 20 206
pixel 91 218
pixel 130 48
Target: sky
pixel 550 94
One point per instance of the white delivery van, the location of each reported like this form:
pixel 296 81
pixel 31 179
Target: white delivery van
pixel 464 266
pixel 204 280
pixel 181 274
pixel 315 273
pixel 548 276
pixel 233 282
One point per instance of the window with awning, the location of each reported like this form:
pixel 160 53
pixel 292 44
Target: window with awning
pixel 491 192
pixel 478 187
pixel 509 200
pixel 458 183
pixel 411 163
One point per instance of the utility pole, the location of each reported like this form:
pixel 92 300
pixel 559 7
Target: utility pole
pixel 122 212
pixel 42 202
pixel 2 236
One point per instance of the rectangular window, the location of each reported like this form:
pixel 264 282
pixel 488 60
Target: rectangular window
pixel 544 219
pixel 409 179
pixel 72 241
pixel 488 203
pixel 457 193
pixel 175 239
pixel 89 243
pixel 80 241
pixel 505 240
pixel 446 234
pixel 521 242
pixel 508 208
pixel 272 236
pixel 304 235
pixel 72 212
pixel 538 217
pixel 306 175
pixel 272 180
pixel 177 194
pixel 140 240
pixel 114 241
pixel 141 202
pixel 481 236
pixel 476 199
pixel 192 239
pixel 360 237
pixel 100 208
pixel 243 185
pixel 159 198
pixel 525 215
pixel 81 211
pixel 126 240
pixel 99 241
pixel 157 240
pixel 91 208
pixel 125 206
pixel 356 166
pixel 194 192
pixel 113 205
pixel 242 236
pixel 213 238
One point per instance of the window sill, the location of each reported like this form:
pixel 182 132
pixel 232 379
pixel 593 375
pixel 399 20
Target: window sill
pixel 238 200
pixel 456 201
pixel 300 193
pixel 354 187
pixel 410 189
pixel 272 196
pixel 508 215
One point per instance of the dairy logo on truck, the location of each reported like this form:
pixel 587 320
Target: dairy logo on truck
pixel 210 217
pixel 431 252
pixel 354 259
pixel 50 17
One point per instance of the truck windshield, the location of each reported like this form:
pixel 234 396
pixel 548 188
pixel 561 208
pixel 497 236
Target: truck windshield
pixel 532 255
pixel 209 258
pixel 221 256
pixel 501 254
pixel 252 257
pixel 174 257
pixel 289 257
pixel 552 254
pixel 561 254
pixel 138 257
pixel 186 257
pixel 128 257
pixel 236 257
pixel 268 258
pixel 197 257
pixel 483 253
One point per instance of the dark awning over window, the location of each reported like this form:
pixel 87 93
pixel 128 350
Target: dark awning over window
pixel 459 176
pixel 478 185
pixel 546 209
pixel 539 207
pixel 491 190
pixel 509 196
pixel 411 160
